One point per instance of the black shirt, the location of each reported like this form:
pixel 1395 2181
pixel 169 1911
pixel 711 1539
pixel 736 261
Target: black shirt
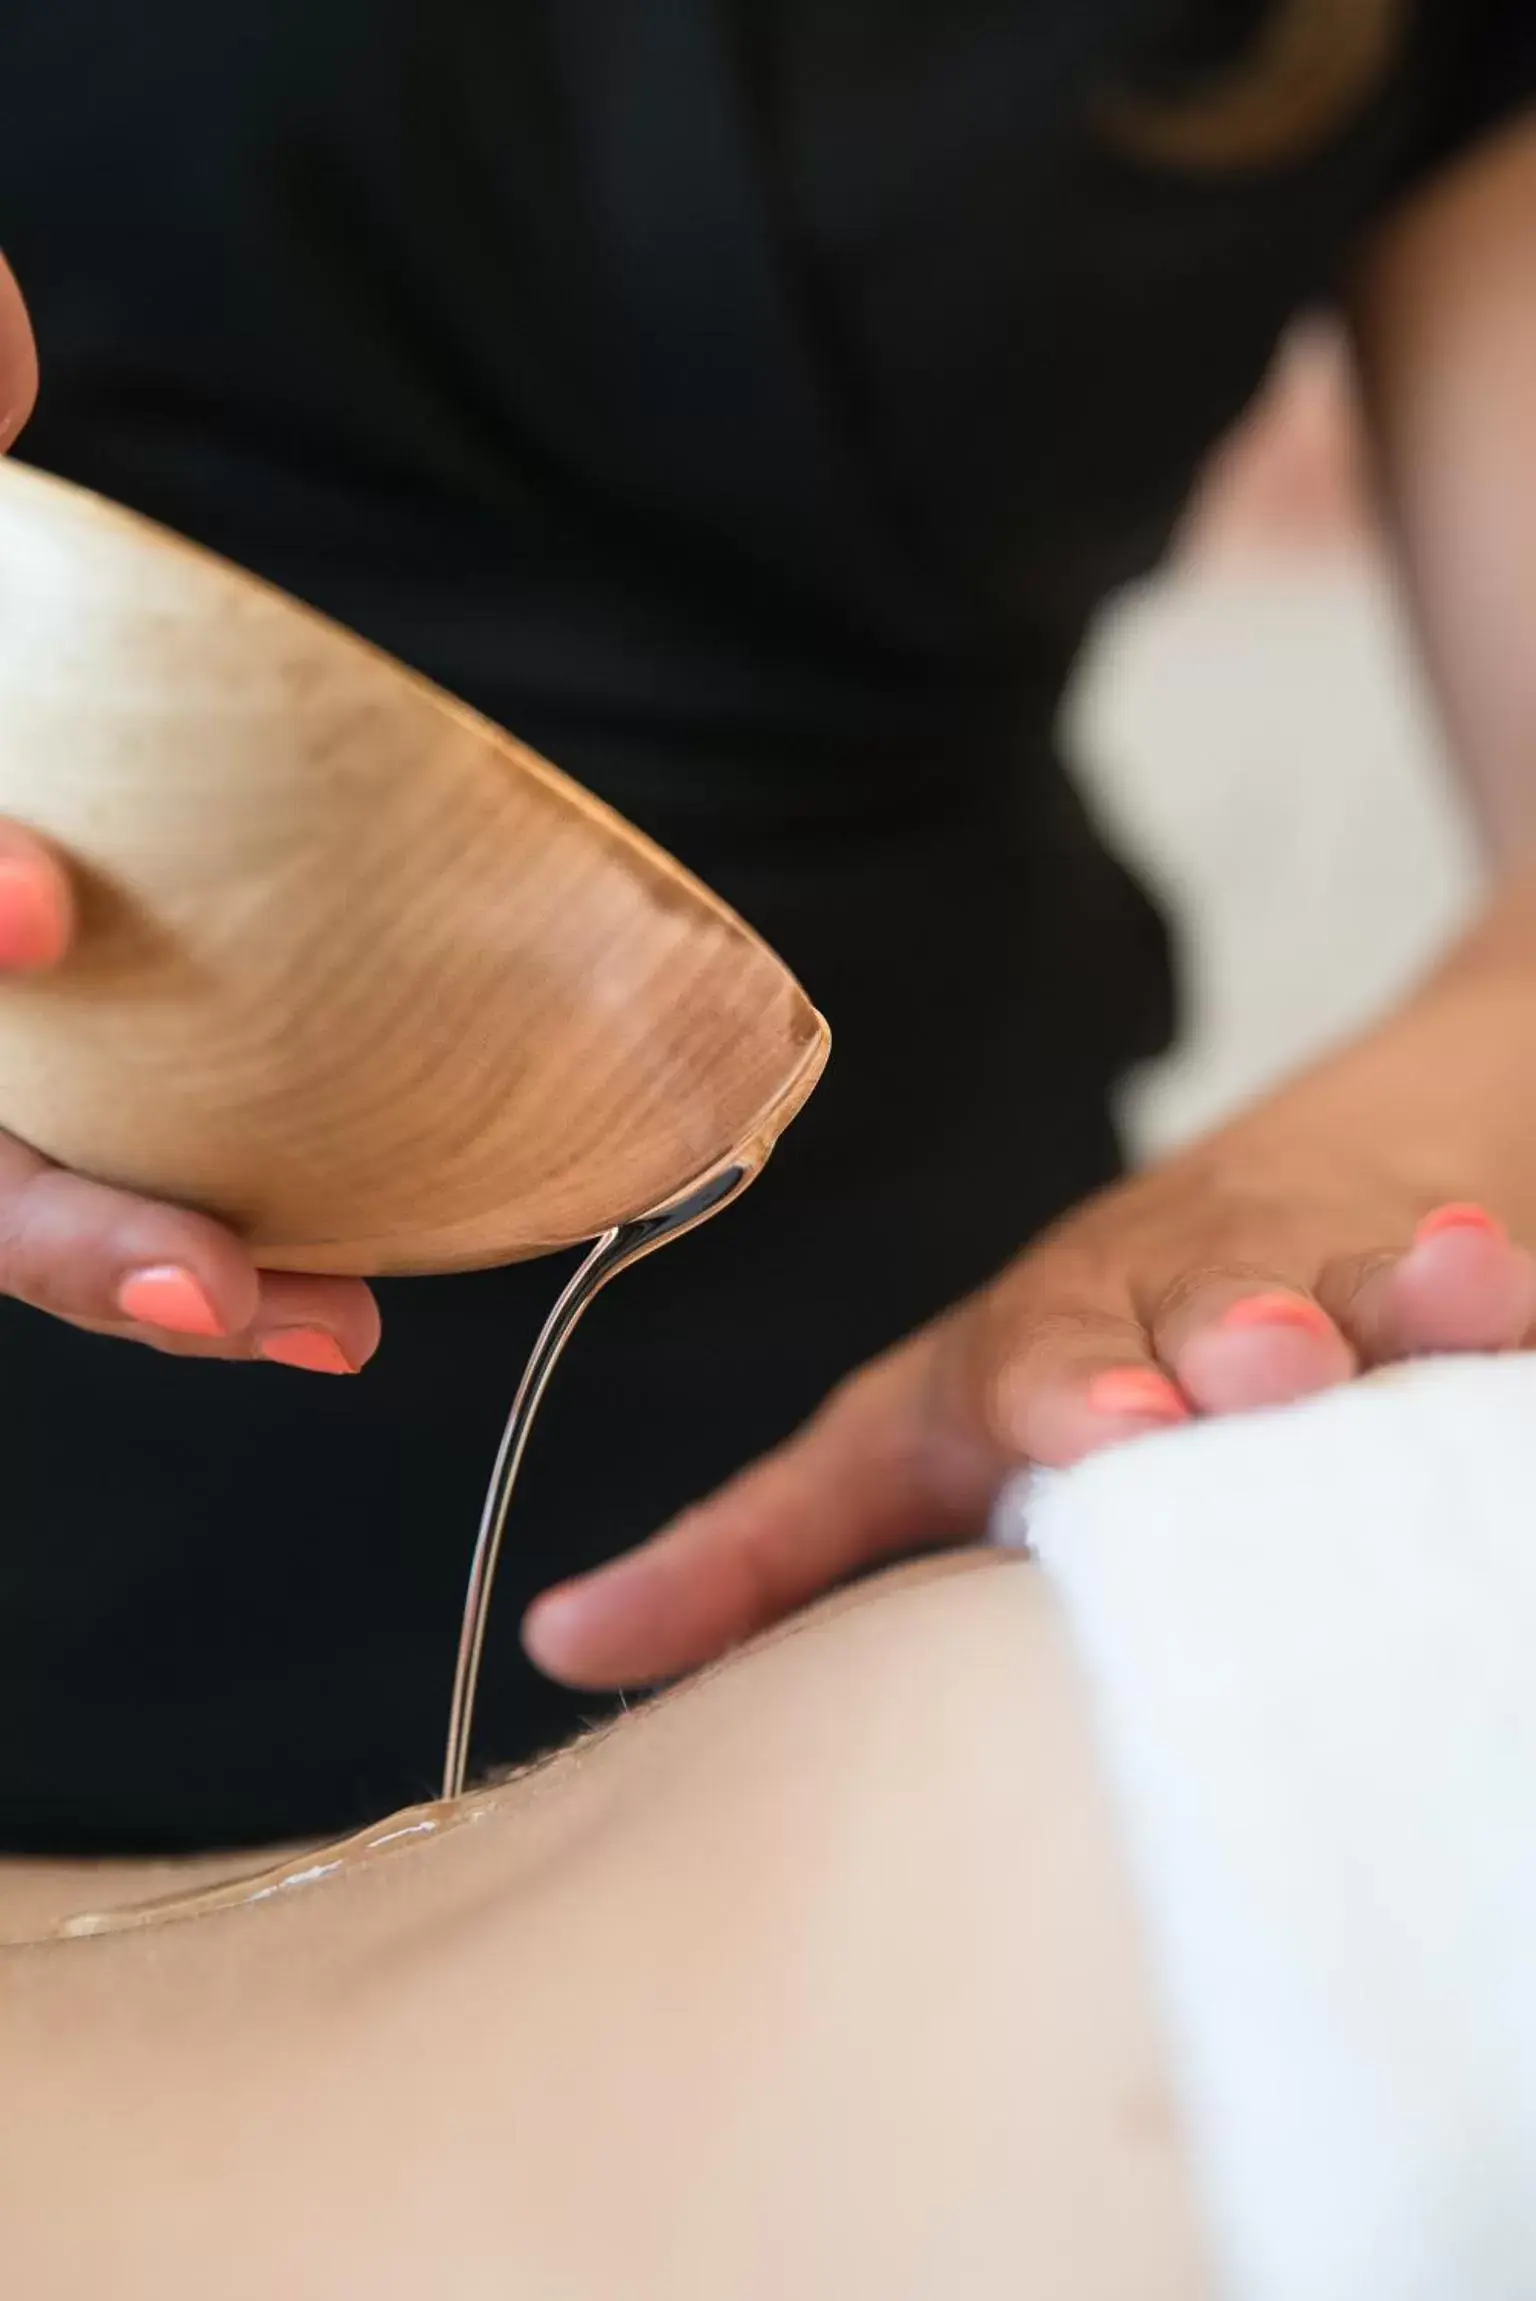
pixel 746 401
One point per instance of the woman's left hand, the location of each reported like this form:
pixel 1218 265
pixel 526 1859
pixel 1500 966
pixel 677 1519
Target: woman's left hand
pixel 1347 1223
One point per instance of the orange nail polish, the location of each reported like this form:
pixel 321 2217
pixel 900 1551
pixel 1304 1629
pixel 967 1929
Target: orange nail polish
pixel 1135 1390
pixel 1458 1216
pixel 30 929
pixel 170 1298
pixel 1251 1310
pixel 309 1348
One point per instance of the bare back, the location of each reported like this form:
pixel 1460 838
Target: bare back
pixel 817 1977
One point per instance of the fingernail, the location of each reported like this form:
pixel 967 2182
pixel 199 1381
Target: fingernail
pixel 1458 1216
pixel 309 1348
pixel 168 1297
pixel 1251 1310
pixel 1135 1390
pixel 29 919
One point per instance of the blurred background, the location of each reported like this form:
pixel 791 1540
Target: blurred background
pixel 1272 652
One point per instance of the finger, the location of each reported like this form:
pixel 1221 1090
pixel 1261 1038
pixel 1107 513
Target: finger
pixel 315 1325
pixel 18 359
pixel 874 1474
pixel 1058 1370
pixel 108 1260
pixel 37 908
pixel 1068 1397
pixel 85 1251
pixel 1238 1340
pixel 1463 1285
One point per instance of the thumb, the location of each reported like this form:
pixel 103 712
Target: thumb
pixel 887 1466
pixel 37 910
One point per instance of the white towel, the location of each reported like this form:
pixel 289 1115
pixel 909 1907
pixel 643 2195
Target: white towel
pixel 1310 1637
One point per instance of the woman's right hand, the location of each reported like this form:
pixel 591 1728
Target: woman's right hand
pixel 102 1258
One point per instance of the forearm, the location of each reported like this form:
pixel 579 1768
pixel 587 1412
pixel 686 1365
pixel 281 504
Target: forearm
pixel 1441 1092
pixel 1444 320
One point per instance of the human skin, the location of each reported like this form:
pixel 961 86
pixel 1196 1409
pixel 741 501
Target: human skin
pixel 818 1976
pixel 1284 1253
pixel 18 358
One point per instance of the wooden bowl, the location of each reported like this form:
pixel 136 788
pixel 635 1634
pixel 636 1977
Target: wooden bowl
pixel 357 972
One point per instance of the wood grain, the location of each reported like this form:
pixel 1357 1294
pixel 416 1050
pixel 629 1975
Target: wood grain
pixel 358 972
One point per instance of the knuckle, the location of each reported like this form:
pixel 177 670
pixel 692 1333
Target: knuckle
pixel 56 1250
pixel 1026 1340
pixel 1348 1278
pixel 28 1253
pixel 1184 1292
pixel 1027 1348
